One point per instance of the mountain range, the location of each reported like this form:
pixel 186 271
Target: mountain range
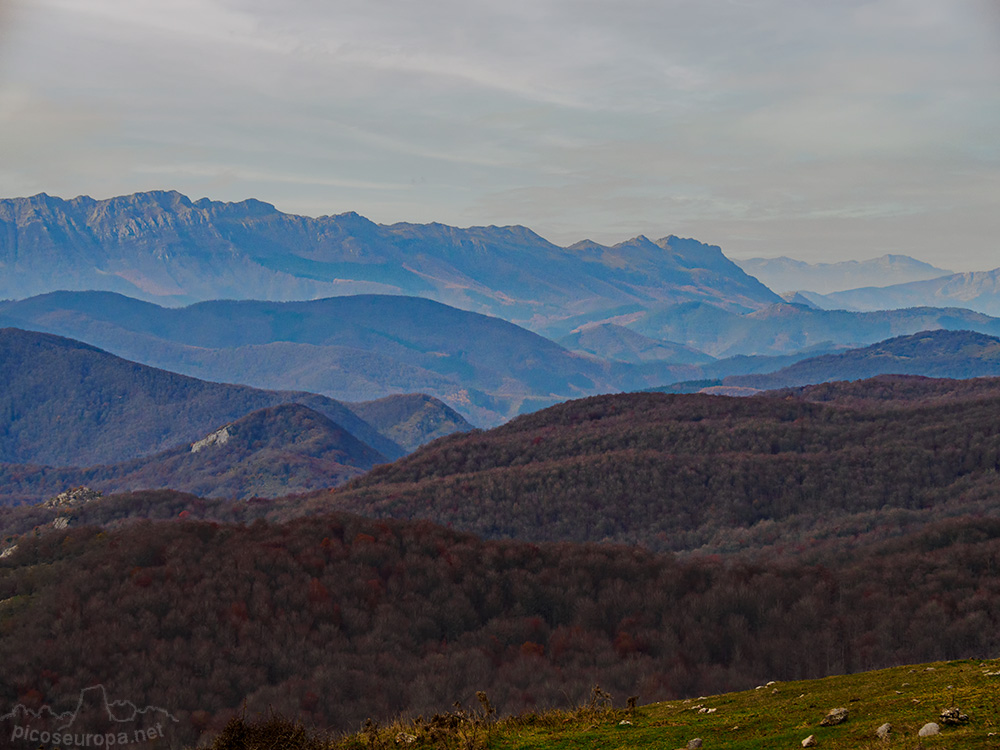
pixel 365 347
pixel 662 545
pixel 354 348
pixel 783 328
pixel 161 246
pixel 979 291
pixel 785 274
pixel 938 354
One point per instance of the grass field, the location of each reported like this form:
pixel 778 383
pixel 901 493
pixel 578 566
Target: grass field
pixel 775 715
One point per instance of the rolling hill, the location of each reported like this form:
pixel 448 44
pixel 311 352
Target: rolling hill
pixel 696 471
pixel 350 348
pixel 68 403
pixel 785 329
pixel 616 342
pixel 937 354
pixel 270 452
pixel 371 346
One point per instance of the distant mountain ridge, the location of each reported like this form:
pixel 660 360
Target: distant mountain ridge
pixel 612 341
pixel 354 348
pixel 937 354
pixel 979 291
pixel 367 347
pixel 163 247
pixel 787 328
pixel 786 274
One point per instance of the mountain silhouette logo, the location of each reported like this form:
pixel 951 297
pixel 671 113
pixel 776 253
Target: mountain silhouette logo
pixel 95 722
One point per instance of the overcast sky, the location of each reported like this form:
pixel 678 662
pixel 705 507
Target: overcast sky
pixel 824 130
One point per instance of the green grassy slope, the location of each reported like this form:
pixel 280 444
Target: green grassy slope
pixel 783 714
pixel 774 715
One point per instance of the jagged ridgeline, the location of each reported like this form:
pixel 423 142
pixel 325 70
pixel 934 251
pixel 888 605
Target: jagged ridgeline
pixel 161 246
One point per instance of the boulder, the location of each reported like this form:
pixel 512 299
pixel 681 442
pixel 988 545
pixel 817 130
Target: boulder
pixel 929 730
pixel 694 744
pixel 809 741
pixel 834 717
pixel 883 731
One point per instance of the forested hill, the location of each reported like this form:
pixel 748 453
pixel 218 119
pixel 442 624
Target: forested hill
pixel 692 471
pixel 352 348
pixel 939 354
pixel 336 619
pixel 270 452
pixel 68 403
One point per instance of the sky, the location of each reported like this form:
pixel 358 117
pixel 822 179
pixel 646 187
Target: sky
pixel 820 130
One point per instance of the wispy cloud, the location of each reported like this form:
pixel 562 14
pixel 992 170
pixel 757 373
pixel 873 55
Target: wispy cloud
pixel 772 126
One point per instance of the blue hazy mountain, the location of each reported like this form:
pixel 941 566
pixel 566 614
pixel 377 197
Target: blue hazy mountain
pixel 351 348
pixel 69 403
pixel 161 246
pixel 367 347
pixel 979 291
pixel 614 341
pixel 788 275
pixel 787 328
pixel 937 354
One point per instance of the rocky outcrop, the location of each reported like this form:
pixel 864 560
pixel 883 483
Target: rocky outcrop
pixel 72 498
pixel 219 437
pixel 953 717
pixel 834 717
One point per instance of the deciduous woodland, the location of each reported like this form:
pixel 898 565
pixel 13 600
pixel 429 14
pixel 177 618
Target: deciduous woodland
pixel 823 530
pixel 333 619
pixel 696 471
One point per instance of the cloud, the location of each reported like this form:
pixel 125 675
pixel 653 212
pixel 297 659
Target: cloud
pixel 741 122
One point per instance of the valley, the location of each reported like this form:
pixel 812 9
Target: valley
pixel 426 462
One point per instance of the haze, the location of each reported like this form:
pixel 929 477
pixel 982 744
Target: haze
pixel 823 131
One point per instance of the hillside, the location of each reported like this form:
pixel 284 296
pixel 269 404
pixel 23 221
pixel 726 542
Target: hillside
pixel 612 341
pixel 937 354
pixel 697 471
pixel 411 420
pixel 161 246
pixel 333 619
pixel 785 329
pixel 899 701
pixel 270 452
pixel 70 404
pixel 350 348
